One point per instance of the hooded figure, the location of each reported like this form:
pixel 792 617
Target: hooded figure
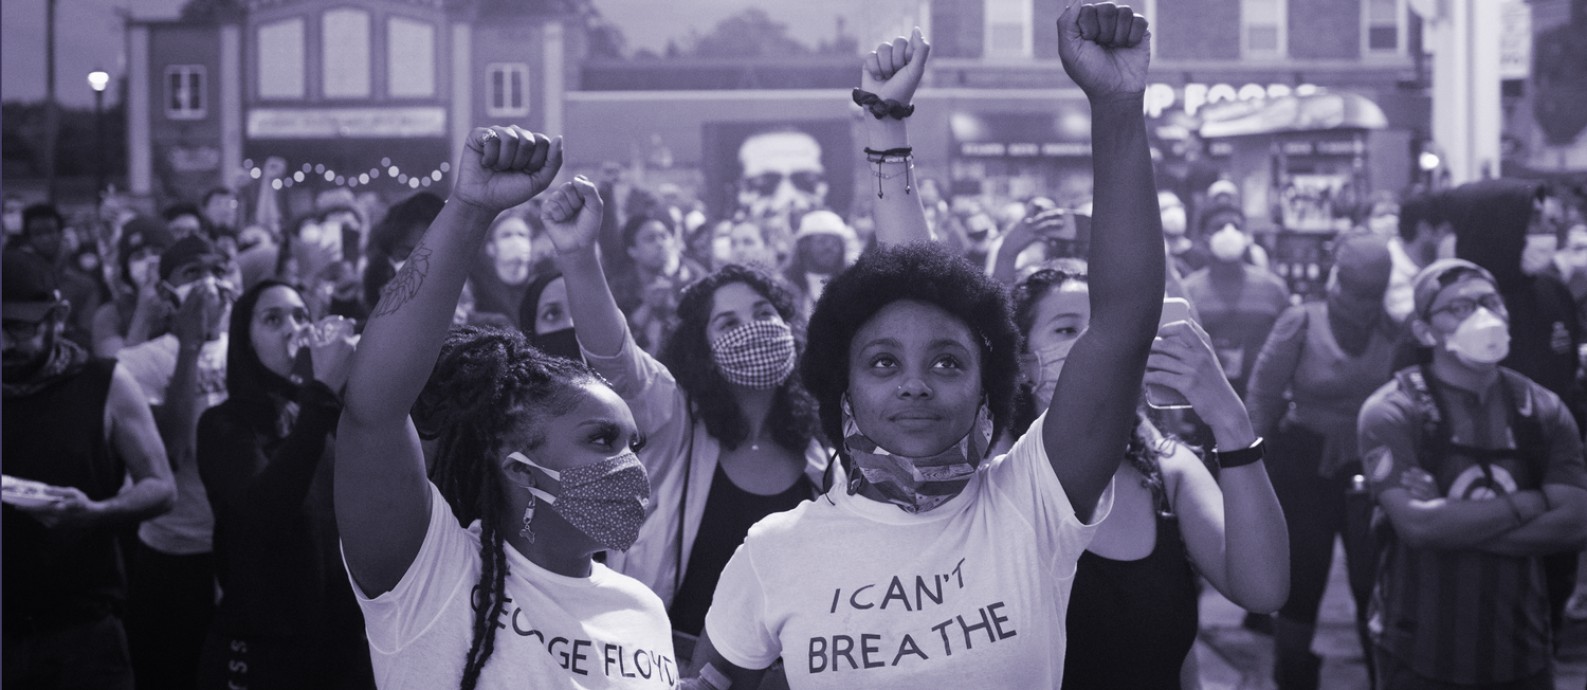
pixel 1491 219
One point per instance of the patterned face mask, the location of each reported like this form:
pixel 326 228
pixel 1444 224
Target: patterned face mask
pixel 918 484
pixel 605 500
pixel 759 354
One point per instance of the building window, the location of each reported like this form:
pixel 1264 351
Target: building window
pixel 1262 24
pixel 410 58
pixel 184 92
pixel 1382 22
pixel 507 89
pixel 280 59
pixel 344 38
pixel 1008 33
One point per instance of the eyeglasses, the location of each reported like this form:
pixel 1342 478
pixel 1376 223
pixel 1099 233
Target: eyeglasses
pixel 1462 307
pixel 17 329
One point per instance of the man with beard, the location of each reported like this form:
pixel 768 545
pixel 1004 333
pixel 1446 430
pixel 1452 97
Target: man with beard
pixel 75 427
pixel 821 251
pixel 44 234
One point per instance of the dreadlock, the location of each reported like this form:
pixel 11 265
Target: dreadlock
pixel 487 384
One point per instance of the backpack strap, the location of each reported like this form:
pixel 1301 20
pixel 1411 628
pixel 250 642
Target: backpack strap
pixel 1433 439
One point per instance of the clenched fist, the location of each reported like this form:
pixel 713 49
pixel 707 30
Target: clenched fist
pixel 1104 50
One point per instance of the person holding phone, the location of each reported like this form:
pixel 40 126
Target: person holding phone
pixel 1133 615
pixel 288 618
pixel 1317 368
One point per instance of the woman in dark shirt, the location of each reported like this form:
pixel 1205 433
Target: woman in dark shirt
pixel 287 618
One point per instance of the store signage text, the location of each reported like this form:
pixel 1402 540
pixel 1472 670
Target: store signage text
pixel 1161 98
pixel 329 123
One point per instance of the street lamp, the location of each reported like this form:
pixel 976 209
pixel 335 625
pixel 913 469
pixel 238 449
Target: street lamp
pixel 98 80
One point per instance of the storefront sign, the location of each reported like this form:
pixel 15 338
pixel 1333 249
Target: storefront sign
pixel 356 123
pixel 1162 98
pixel 190 159
pixel 1021 135
pixel 1515 40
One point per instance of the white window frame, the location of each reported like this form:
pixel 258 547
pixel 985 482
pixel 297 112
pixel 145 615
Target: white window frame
pixel 198 112
pixel 508 69
pixel 1399 30
pixel 1026 47
pixel 1282 21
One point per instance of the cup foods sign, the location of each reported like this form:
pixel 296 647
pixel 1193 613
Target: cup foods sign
pixel 1192 97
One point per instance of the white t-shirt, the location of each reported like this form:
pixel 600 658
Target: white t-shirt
pixel 187 529
pixel 601 631
pixel 852 592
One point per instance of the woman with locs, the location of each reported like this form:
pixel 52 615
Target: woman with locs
pixel 731 433
pixel 935 565
pixel 535 455
pixel 288 618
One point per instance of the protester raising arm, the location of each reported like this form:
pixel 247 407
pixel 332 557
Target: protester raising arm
pixel 1104 50
pixel 891 73
pixel 382 495
pixel 573 215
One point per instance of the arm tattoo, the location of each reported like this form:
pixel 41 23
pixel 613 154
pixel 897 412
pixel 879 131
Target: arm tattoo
pixel 405 286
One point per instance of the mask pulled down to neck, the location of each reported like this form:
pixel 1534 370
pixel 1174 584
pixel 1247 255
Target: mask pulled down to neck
pixel 916 484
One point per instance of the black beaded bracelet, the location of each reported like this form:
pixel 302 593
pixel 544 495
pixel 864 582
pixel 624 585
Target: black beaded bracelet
pixel 880 108
pixel 1228 459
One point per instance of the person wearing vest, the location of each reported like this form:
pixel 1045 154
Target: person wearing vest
pixel 77 426
pixel 1479 473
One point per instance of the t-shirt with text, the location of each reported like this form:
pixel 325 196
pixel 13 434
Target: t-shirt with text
pixel 602 631
pixel 852 592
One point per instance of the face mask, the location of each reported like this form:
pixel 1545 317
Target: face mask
pixel 513 248
pixel 918 484
pixel 1174 221
pixel 563 343
pixel 1482 339
pixel 1051 361
pixel 1228 244
pixel 758 354
pixel 1538 254
pixel 605 500
pixel 1385 226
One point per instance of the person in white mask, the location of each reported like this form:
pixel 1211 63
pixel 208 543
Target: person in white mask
pixel 1479 471
pixel 1238 301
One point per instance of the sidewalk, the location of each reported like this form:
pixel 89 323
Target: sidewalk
pixel 1232 657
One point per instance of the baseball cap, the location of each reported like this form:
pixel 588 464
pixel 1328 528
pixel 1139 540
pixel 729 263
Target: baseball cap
pixel 1439 275
pixel 823 223
pixel 28 288
pixel 185 251
pixel 1223 187
pixel 141 232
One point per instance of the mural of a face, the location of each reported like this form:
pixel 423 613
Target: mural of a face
pixel 782 174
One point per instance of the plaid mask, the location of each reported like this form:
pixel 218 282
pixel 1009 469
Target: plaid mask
pixel 759 354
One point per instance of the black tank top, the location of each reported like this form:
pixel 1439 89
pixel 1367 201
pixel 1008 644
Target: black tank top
pixel 57 436
pixel 729 513
pixel 1131 623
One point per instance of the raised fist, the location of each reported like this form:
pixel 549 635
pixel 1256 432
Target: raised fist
pixel 572 215
pixel 893 71
pixel 502 167
pixel 1104 49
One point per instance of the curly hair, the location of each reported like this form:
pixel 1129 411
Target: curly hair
pixel 923 272
pixel 687 354
pixel 1146 446
pixel 487 384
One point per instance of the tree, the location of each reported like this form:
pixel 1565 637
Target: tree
pixel 751 33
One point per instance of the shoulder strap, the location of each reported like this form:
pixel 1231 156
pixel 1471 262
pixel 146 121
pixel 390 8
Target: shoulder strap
pixel 1525 422
pixel 1434 436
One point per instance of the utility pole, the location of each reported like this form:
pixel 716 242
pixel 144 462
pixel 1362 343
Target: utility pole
pixel 51 109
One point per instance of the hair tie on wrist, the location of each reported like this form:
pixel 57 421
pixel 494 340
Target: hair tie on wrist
pixel 880 108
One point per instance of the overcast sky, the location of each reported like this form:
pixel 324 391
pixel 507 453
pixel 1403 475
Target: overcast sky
pixel 89 32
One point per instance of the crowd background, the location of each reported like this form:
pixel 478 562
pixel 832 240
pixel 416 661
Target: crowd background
pixel 117 264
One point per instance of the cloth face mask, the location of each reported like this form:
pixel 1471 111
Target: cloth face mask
pixel 604 500
pixel 1051 361
pixel 759 354
pixel 916 484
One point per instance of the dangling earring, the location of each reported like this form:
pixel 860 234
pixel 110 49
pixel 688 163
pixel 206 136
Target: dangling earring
pixel 528 517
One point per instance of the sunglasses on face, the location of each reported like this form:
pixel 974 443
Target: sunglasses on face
pixel 766 184
pixel 1462 307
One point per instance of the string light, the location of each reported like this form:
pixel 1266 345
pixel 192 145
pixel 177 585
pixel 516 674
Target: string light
pixel 297 176
pixel 327 173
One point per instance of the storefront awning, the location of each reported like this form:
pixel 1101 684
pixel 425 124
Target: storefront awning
pixel 1315 112
pixel 1022 135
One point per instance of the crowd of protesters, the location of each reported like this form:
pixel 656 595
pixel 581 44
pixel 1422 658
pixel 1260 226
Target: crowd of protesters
pixel 532 434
